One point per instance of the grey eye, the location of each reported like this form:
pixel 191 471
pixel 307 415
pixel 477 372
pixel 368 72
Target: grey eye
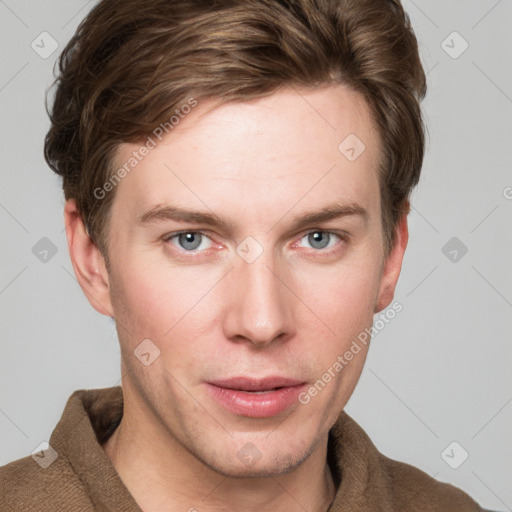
pixel 190 241
pixel 319 239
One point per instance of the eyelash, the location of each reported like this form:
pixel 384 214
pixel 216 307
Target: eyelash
pixel 343 238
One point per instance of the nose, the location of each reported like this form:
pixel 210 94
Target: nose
pixel 259 306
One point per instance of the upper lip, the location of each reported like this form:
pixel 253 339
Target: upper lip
pixel 261 384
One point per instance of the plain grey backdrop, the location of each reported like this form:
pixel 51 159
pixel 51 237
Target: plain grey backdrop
pixel 436 391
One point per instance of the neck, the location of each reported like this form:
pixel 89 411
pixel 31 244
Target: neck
pixel 147 457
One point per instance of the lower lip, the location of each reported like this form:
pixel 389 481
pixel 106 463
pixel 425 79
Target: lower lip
pixel 253 405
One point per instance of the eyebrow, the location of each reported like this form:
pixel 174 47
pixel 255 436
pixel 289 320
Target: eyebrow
pixel 160 213
pixel 163 213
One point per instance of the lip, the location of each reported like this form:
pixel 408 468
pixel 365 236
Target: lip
pixel 239 395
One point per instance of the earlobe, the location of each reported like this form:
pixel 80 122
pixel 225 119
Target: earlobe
pixel 88 262
pixel 393 265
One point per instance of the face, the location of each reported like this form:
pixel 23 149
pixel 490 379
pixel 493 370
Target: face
pixel 246 244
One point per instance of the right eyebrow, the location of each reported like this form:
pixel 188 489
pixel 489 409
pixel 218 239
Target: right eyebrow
pixel 161 213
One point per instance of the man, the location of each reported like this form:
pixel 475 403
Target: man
pixel 237 179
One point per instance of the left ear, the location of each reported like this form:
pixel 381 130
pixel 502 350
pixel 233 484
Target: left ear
pixel 393 265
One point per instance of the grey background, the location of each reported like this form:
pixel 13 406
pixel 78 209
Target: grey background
pixel 438 373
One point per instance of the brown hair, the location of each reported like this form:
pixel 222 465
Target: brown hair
pixel 133 63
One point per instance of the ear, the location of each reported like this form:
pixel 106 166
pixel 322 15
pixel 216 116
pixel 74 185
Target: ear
pixel 88 262
pixel 393 265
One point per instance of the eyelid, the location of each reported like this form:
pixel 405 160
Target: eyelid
pixel 168 236
pixel 344 235
pixel 338 232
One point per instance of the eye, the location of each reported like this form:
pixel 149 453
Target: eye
pixel 321 239
pixel 190 240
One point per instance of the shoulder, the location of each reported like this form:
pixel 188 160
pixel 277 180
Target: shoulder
pixel 381 483
pixel 413 489
pixel 29 487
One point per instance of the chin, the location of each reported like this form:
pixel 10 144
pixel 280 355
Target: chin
pixel 250 462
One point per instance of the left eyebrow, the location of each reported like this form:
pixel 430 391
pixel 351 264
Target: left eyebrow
pixel 330 212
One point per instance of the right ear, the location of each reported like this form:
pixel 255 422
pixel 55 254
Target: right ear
pixel 88 262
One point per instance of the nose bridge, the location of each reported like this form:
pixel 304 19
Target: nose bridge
pixel 259 312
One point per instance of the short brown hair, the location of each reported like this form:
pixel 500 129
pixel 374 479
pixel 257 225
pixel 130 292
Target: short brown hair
pixel 132 63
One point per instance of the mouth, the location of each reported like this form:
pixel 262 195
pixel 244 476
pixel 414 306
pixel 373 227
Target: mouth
pixel 256 398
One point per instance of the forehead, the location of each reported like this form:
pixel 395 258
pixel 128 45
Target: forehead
pixel 295 145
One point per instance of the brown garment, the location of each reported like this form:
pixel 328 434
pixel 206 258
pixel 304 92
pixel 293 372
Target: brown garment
pixel 82 478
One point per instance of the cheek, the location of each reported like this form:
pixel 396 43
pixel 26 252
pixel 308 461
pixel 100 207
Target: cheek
pixel 155 301
pixel 343 296
pixel 344 300
pixel 137 300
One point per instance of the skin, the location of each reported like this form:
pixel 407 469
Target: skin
pixel 291 312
